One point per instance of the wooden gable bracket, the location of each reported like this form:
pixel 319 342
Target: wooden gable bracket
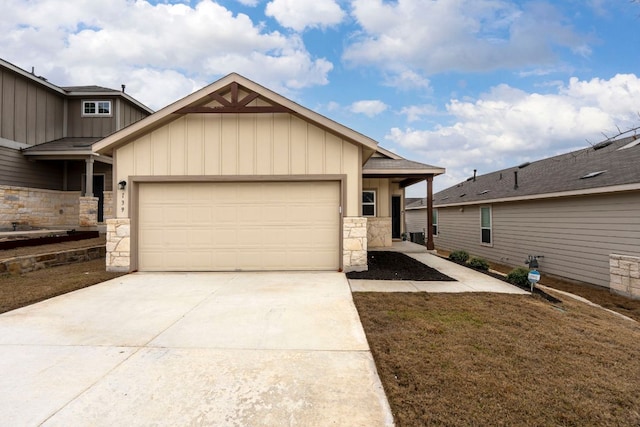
pixel 235 105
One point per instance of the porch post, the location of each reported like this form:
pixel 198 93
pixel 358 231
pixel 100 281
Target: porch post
pixel 89 177
pixel 430 245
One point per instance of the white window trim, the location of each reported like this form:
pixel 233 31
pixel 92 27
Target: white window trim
pixel 490 228
pixel 434 221
pixel 97 114
pixel 375 201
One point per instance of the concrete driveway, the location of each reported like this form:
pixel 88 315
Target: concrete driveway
pixel 174 349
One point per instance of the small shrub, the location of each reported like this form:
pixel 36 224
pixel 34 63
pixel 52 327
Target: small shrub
pixel 479 263
pixel 519 277
pixel 459 256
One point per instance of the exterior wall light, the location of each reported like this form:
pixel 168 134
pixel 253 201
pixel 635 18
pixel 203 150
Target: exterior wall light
pixel 122 184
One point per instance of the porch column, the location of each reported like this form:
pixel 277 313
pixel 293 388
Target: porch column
pixel 89 177
pixel 430 245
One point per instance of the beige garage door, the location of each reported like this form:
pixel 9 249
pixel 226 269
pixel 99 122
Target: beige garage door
pixel 238 226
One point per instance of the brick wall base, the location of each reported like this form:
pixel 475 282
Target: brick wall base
pixel 118 245
pixel 624 273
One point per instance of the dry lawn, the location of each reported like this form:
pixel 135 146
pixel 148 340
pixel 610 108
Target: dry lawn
pixel 24 289
pixel 595 294
pixel 489 359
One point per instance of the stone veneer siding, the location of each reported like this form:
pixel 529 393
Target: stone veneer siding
pixel 118 244
pixel 379 232
pixel 354 244
pixel 36 207
pixel 107 205
pixel 624 271
pixel 88 212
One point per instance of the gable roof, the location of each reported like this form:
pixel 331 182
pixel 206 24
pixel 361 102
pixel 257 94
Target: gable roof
pixel 611 165
pixel 386 164
pixel 415 203
pixel 200 102
pixel 72 90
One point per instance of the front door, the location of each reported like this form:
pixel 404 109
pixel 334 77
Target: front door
pixel 396 220
pixel 98 191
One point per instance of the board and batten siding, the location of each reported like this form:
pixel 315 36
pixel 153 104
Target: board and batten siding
pixel 242 145
pixel 29 114
pixel 16 170
pixel 574 234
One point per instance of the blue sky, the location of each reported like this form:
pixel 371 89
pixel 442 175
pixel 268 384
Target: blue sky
pixel 462 84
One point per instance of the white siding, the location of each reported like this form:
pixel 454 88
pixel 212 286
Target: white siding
pixel 574 234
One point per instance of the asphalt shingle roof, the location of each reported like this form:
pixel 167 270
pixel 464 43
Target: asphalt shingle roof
pixel 86 89
pixel 572 171
pixel 383 163
pixel 63 145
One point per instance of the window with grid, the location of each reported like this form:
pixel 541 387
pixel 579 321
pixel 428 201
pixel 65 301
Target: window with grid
pixel 368 203
pixel 96 108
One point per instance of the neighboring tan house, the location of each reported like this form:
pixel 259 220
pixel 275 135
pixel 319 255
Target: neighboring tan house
pixel 237 177
pixel 580 211
pixel 49 175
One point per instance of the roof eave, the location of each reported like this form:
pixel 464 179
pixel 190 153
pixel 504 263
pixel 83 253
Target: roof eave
pixel 166 114
pixel 404 172
pixel 583 192
pixel 112 93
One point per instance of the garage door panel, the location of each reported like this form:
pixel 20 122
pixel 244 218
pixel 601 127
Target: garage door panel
pixel 239 226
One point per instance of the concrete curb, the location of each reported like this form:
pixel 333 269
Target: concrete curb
pixel 27 263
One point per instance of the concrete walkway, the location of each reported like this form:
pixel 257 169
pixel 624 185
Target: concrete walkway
pixel 232 349
pixel 467 280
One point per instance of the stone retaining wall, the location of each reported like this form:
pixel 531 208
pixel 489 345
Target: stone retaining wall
pixel 624 272
pixel 379 232
pixel 27 263
pixel 354 244
pixel 37 207
pixel 119 245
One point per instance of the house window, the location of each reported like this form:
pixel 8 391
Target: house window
pixel 485 224
pixel 368 203
pixel 434 222
pixel 96 108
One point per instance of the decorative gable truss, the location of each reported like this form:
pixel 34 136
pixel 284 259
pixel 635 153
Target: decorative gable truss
pixel 236 99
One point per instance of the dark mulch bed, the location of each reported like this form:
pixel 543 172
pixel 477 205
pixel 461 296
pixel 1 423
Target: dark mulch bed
pixel 397 266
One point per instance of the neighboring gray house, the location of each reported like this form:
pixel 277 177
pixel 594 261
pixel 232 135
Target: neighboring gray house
pixel 575 210
pixel 48 172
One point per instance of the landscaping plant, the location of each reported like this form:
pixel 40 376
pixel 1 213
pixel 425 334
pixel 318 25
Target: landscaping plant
pixel 479 263
pixel 519 277
pixel 459 256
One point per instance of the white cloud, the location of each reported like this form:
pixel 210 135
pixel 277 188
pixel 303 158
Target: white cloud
pixel 459 35
pixel 250 3
pixel 417 112
pixel 369 108
pixel 507 126
pixel 299 15
pixel 102 42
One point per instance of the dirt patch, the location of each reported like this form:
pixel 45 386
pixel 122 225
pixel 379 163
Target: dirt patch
pixel 397 266
pixel 494 359
pixel 19 290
